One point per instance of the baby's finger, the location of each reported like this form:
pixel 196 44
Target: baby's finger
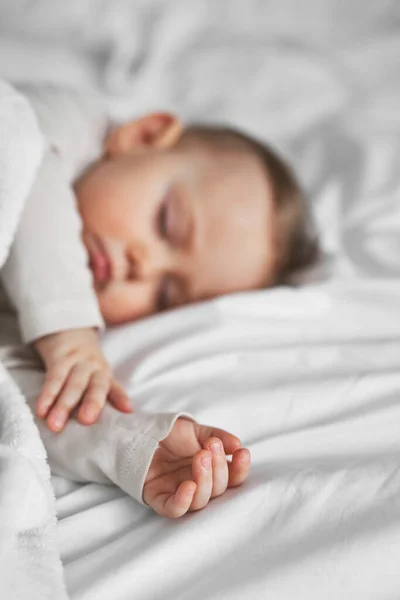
pixel 229 441
pixel 175 505
pixel 70 396
pixel 239 467
pixel 95 398
pixel 219 466
pixel 52 385
pixel 118 397
pixel 203 477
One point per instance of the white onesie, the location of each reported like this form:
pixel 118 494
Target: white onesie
pixel 49 282
pixel 46 275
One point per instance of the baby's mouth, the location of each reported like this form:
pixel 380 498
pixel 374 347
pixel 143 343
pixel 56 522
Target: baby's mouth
pixel 99 262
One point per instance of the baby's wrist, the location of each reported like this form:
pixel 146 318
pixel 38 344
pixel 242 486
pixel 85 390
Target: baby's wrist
pixel 61 342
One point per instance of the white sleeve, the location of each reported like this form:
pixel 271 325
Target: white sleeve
pixel 118 449
pixel 46 274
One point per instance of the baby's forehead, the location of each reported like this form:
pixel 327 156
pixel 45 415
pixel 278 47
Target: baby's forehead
pixel 236 223
pixel 235 184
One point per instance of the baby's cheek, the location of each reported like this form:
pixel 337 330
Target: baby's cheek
pixel 123 302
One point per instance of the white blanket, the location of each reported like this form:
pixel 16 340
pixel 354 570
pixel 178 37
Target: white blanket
pixel 30 566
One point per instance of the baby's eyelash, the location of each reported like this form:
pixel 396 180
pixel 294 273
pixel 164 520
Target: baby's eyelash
pixel 162 297
pixel 163 219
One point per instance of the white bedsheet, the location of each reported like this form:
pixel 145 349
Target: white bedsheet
pixel 309 378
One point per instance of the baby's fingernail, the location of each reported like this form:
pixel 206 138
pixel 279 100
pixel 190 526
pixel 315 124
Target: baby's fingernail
pixel 215 448
pixel 245 458
pixel 90 411
pixel 206 462
pixel 42 408
pixel 57 422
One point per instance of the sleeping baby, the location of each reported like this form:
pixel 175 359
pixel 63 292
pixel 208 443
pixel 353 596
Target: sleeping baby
pixel 124 222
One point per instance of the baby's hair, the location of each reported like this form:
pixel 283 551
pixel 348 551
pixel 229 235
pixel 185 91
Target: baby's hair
pixel 296 238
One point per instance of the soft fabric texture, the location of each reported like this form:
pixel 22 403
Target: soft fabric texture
pixel 21 146
pixel 309 379
pixel 30 565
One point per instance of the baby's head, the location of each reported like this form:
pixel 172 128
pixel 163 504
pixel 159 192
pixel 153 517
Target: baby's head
pixel 173 215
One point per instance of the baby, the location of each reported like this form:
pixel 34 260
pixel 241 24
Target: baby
pixel 168 215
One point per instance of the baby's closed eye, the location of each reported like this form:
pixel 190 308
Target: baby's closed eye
pixel 174 222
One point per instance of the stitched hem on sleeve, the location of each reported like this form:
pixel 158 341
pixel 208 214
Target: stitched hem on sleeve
pixel 139 454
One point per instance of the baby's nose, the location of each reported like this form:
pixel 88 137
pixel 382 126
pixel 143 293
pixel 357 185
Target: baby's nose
pixel 143 264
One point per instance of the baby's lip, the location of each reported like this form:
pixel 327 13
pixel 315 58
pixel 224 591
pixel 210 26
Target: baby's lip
pixel 100 262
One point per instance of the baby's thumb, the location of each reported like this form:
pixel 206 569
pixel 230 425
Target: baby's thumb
pixel 118 397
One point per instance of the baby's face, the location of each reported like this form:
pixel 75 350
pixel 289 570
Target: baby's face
pixel 168 226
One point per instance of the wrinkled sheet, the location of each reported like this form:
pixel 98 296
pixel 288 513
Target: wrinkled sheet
pixel 309 378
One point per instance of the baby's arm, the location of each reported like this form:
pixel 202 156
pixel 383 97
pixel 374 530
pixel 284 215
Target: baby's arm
pixel 50 284
pixel 163 460
pixel 46 275
pixel 155 458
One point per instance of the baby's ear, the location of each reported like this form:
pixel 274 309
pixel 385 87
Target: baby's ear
pixel 156 130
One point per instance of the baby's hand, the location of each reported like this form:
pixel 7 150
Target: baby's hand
pixel 186 471
pixel 76 373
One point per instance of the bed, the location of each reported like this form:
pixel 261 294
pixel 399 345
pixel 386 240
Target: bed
pixel 307 376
